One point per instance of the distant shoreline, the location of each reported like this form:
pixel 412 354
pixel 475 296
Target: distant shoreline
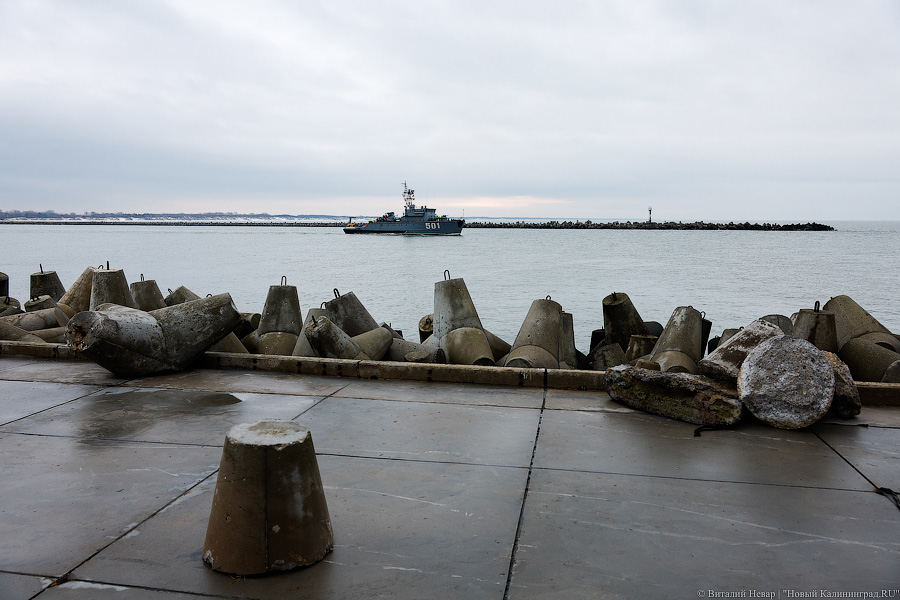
pixel 643 225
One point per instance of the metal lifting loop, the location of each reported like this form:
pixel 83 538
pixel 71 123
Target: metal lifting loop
pixel 100 266
pixel 170 290
pixel 446 274
pixel 209 295
pixel 615 298
pixel 702 314
pixel 142 276
pixel 323 305
pixel 42 268
pixel 816 307
pixel 548 297
pixel 107 265
pixel 284 280
pixel 337 294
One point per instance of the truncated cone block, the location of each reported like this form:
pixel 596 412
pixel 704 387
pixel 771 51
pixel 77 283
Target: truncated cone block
pixel 40 303
pixel 109 286
pixel 47 283
pixel 281 311
pixel 146 295
pixel 867 360
pixel 277 343
pixel 4 284
pixel 542 327
pixel 44 318
pixel 9 306
pixel 853 321
pixel 724 363
pixel 130 342
pixel 621 320
pixel 453 308
pixel 330 341
pixel 401 349
pixel 78 297
pixel 269 511
pixel 229 343
pixel 16 334
pixel 374 343
pixel 818 327
pixel 467 346
pixel 303 347
pixel 639 345
pixel 681 344
pixel 348 313
pixel 426 327
pixel 568 358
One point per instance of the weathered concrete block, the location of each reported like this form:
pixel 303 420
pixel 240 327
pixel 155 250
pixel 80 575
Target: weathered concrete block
pixel 725 361
pixel 786 382
pixel 683 396
pixel 605 357
pixel 846 403
pixel 867 360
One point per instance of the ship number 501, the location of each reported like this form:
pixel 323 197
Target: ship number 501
pixel 432 225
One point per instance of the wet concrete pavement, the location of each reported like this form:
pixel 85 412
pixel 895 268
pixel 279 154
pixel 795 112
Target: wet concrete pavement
pixel 436 491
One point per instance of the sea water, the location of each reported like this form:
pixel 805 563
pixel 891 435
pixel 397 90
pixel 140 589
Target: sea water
pixel 733 277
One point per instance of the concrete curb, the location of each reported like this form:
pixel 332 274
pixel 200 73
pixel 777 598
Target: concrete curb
pixel 871 394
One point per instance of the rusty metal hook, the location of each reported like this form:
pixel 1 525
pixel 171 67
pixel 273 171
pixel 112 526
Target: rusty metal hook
pixel 42 268
pixel 816 306
pixel 446 274
pixel 337 294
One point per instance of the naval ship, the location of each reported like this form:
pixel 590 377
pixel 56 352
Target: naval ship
pixel 416 220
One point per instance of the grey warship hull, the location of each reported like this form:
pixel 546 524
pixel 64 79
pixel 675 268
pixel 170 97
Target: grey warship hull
pixel 416 220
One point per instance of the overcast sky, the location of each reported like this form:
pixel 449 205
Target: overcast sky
pixel 763 110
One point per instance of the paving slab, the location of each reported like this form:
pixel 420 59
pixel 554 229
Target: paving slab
pixel 423 431
pixel 641 444
pixel 20 587
pixel 263 382
pixel 61 371
pixel 63 499
pixel 588 535
pixel 426 391
pixel 40 396
pixel 83 590
pixel 402 530
pixel 9 363
pixel 160 414
pixel 592 401
pixel 875 451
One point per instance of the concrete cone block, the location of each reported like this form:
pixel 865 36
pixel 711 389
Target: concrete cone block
pixel 46 283
pixel 374 343
pixel 349 314
pixel 639 345
pixel 179 296
pixel 817 327
pixel 330 341
pixel 277 343
pixel 605 357
pixel 146 295
pixel 786 382
pixel 542 327
pixel 269 511
pixel 531 357
pixel 303 347
pixel 401 349
pixel 724 363
pixel 251 342
pixel 12 333
pixel 567 352
pixel 499 347
pixel 78 297
pixel 432 341
pixel 55 335
pixel 727 334
pixel 40 303
pixel 229 343
pixel 892 373
pixel 9 306
pixel 867 360
pixel 673 361
pixel 45 318
pixel 467 346
pixel 852 321
pixel 784 323
pixel 281 311
pixel 846 403
pixel 426 327
pixel 4 284
pixel 681 344
pixel 453 307
pixel 249 322
pixel 109 286
pixel 621 320
pixel 193 327
pixel 394 333
pixel 126 341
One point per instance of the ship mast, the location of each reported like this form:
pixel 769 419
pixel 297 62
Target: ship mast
pixel 409 197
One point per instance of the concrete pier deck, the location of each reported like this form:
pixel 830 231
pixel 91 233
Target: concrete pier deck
pixel 437 490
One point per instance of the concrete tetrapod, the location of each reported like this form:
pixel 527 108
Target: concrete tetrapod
pixel 568 355
pixel 40 303
pixel 9 306
pixel 132 343
pixel 400 350
pixel 605 357
pixel 46 283
pixel 453 308
pixel 638 346
pixel 44 318
pixel 867 360
pixel 78 297
pixel 374 343
pixel 229 343
pixel 16 334
pixel 853 321
pixel 537 344
pixel 330 341
pixel 269 511
pixel 783 323
pixel 724 363
pixel 4 284
pixel 817 327
pixel 146 295
pixel 846 403
pixel 680 346
pixel 426 327
pixel 467 346
pixel 281 320
pixel 786 382
pixel 303 347
pixel 348 313
pixel 621 320
pixel 109 286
